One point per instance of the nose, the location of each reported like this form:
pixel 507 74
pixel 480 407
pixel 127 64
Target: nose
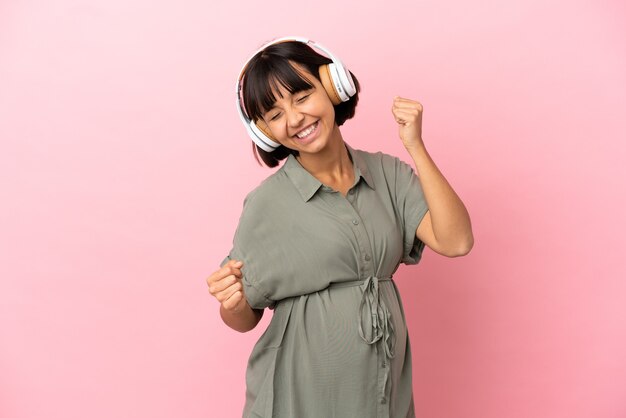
pixel 294 118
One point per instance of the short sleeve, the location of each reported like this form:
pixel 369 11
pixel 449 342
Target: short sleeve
pixel 243 249
pixel 411 206
pixel 254 294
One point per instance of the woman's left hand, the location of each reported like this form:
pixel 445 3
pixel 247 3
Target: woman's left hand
pixel 408 115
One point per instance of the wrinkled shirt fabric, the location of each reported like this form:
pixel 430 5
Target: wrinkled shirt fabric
pixel 337 344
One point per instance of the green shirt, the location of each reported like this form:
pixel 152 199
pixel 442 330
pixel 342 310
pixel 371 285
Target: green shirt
pixel 337 344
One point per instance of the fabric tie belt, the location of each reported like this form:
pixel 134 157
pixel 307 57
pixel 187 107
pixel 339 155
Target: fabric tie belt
pixel 375 321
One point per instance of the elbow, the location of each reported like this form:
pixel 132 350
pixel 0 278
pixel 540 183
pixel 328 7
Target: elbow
pixel 465 250
pixel 243 328
pixel 462 248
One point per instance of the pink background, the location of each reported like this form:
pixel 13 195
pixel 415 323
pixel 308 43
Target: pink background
pixel 123 167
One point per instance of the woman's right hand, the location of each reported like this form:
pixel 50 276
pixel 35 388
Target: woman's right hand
pixel 225 284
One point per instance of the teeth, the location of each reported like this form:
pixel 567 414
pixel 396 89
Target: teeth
pixel 306 132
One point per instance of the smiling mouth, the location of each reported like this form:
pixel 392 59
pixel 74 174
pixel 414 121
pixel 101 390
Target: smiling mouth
pixel 303 134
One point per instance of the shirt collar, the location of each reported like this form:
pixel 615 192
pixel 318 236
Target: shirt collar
pixel 307 185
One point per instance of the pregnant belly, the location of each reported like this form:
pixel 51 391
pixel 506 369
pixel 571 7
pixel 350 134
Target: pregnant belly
pixel 326 323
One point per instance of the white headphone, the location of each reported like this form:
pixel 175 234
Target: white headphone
pixel 336 80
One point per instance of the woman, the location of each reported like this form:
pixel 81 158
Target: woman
pixel 319 240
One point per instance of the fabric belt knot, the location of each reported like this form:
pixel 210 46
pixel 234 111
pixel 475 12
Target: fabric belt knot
pixel 374 317
pixel 381 328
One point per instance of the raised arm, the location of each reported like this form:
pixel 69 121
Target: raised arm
pixel 446 227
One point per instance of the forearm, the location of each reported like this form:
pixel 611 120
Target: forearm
pixel 450 220
pixel 242 321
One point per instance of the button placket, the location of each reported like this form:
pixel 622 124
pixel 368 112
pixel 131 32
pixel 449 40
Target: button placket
pixel 365 247
pixel 363 242
pixel 347 210
pixel 348 213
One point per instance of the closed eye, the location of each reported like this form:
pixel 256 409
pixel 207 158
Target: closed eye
pixel 273 117
pixel 303 98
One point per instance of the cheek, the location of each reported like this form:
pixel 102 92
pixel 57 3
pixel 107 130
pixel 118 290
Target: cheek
pixel 278 130
pixel 331 113
pixel 330 108
pixel 326 106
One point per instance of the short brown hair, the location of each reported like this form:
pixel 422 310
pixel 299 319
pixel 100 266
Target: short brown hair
pixel 271 66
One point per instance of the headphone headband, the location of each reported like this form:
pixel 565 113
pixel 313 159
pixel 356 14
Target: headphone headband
pixel 340 77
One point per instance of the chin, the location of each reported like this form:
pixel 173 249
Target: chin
pixel 313 147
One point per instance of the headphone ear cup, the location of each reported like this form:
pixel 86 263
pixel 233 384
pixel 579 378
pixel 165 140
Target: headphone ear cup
pixel 262 136
pixel 344 89
pixel 329 85
pixel 262 126
pixel 343 78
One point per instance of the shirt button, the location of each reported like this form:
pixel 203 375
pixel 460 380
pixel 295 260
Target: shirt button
pixel 354 221
pixel 351 191
pixel 367 257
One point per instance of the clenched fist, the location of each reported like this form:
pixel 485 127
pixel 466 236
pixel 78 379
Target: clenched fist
pixel 408 115
pixel 225 284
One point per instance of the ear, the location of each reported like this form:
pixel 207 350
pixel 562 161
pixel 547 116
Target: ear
pixel 328 84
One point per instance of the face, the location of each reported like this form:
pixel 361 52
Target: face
pixel 305 120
